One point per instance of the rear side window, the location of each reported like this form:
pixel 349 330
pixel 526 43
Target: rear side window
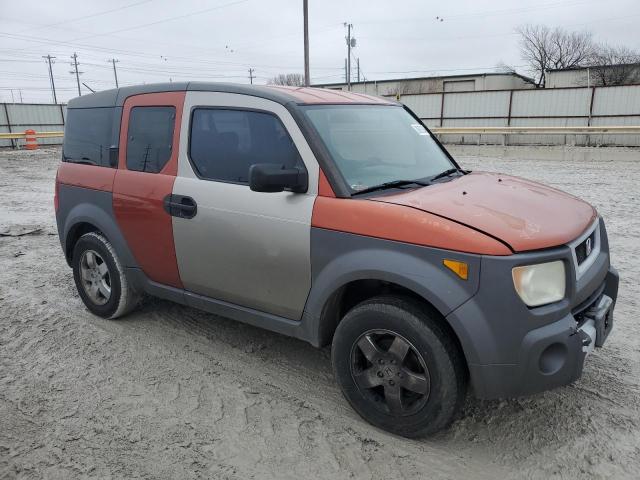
pixel 150 138
pixel 225 143
pixel 87 136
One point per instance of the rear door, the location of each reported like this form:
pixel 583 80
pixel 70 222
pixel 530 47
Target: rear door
pixel 147 167
pixel 248 248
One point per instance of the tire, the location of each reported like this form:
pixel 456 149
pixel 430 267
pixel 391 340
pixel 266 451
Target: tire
pixel 100 278
pixel 398 368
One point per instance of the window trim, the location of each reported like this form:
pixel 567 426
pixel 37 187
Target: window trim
pixel 238 109
pixel 173 134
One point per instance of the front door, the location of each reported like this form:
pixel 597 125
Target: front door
pixel 247 248
pixel 147 167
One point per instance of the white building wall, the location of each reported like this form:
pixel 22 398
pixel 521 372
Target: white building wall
pixel 437 84
pixel 566 78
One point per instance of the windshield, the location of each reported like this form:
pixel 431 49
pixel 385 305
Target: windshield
pixel 373 144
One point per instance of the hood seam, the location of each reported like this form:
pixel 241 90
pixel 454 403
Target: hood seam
pixel 451 220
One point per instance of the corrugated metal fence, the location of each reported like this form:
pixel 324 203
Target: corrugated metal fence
pixel 558 107
pixel 18 117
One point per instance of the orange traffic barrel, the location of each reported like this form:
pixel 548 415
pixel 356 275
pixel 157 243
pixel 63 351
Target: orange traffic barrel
pixel 31 141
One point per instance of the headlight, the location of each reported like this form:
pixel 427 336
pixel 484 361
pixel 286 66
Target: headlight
pixel 540 284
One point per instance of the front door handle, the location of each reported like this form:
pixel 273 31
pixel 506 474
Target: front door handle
pixel 180 206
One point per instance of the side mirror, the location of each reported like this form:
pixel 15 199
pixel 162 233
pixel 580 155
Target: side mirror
pixel 269 177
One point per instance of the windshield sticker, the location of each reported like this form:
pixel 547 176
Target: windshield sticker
pixel 419 128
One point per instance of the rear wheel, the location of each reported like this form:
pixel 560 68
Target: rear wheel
pixel 100 278
pixel 397 367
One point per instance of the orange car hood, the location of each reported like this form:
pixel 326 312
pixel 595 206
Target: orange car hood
pixel 523 214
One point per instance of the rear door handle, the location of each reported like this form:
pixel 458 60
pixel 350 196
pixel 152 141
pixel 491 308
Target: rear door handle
pixel 180 206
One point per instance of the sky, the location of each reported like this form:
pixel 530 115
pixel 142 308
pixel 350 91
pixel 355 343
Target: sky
pixel 220 40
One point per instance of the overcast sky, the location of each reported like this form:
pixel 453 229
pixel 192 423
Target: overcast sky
pixel 219 40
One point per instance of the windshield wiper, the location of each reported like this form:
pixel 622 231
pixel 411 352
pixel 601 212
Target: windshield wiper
pixel 446 173
pixel 392 184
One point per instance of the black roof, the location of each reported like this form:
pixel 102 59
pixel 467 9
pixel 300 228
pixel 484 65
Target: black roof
pixel 117 96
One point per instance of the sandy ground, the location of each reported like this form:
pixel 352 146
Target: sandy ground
pixel 171 392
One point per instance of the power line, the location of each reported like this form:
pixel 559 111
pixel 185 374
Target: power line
pixel 144 25
pixel 186 60
pixel 157 22
pixel 77 19
pixel 146 42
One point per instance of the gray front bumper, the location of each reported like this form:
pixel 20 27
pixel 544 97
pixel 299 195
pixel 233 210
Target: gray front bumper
pixel 551 356
pixel 513 350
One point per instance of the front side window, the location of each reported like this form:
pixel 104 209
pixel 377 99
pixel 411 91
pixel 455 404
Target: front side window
pixel 150 138
pixel 87 136
pixel 225 143
pixel 372 144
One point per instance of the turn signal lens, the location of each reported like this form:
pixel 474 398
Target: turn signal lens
pixel 459 268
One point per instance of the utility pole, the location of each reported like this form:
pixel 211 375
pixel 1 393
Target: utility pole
pixel 251 75
pixel 305 8
pixel 358 63
pixel 53 85
pixel 346 72
pixel 20 92
pixel 115 73
pixel 351 43
pixel 75 71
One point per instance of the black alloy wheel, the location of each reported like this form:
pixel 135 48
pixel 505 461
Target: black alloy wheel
pixel 390 371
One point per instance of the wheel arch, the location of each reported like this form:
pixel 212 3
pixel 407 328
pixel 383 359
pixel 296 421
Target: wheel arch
pixel 336 303
pixel 348 269
pixel 90 217
pixel 349 294
pixel 76 231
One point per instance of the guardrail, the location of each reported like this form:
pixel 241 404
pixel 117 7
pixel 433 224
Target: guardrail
pixel 602 130
pixel 17 136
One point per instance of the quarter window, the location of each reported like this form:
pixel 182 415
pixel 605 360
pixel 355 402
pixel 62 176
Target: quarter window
pixel 87 136
pixel 150 138
pixel 225 143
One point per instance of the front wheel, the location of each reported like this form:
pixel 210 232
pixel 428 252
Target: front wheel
pixel 100 278
pixel 397 367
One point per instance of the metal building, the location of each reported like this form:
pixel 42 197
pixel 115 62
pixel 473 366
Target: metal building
pixel 594 76
pixel 449 83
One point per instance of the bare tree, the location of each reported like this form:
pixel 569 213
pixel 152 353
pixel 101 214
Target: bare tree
pixel 503 67
pixel 615 65
pixel 544 48
pixel 288 79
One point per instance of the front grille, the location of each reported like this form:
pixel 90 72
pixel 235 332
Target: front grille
pixel 586 248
